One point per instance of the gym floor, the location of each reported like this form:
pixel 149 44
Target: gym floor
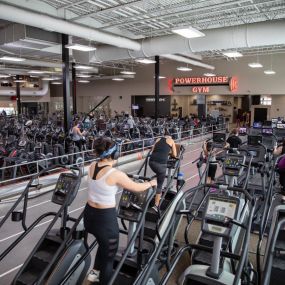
pixel 42 204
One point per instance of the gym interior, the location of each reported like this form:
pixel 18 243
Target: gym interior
pixel 201 82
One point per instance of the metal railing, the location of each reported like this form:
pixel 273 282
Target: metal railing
pixel 30 168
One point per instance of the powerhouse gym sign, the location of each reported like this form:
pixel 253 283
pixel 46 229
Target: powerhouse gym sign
pixel 203 84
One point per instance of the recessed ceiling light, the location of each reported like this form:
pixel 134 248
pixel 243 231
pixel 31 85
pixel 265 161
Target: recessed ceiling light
pixel 50 78
pixel 80 47
pixel 255 65
pixel 232 54
pixel 83 76
pixel 145 60
pixel 20 81
pixel 184 68
pixel 37 72
pixel 34 76
pixel 188 32
pixel 86 67
pixel 209 74
pixel 83 81
pixel 269 72
pixel 11 58
pixel 56 83
pixel 4 75
pixel 127 72
pixel 160 77
pixel 118 79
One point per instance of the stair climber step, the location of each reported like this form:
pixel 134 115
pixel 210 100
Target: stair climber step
pixel 150 229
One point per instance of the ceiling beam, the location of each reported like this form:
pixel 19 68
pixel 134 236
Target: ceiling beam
pixel 71 4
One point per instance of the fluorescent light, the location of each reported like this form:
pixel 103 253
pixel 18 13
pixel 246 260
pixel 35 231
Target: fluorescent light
pixel 50 78
pixel 209 74
pixel 188 32
pixel 37 72
pixel 255 65
pixel 118 79
pixel 232 54
pixel 184 68
pixel 83 81
pixel 145 60
pixel 10 58
pixel 56 83
pixel 80 47
pixel 269 72
pixel 127 72
pixel 4 75
pixel 83 75
pixel 160 77
pixel 83 67
pixel 34 76
pixel 20 81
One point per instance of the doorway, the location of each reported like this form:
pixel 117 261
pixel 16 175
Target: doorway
pixel 260 114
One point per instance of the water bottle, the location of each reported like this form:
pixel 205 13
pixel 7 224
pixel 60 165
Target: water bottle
pixel 180 179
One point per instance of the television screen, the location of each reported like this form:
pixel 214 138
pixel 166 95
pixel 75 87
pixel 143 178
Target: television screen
pixel 274 120
pixel 135 107
pixel 280 126
pixel 242 130
pixel 219 137
pixel 267 131
pixel 257 125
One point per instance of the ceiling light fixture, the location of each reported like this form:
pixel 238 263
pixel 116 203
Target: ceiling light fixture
pixel 83 81
pixel 34 76
pixel 184 68
pixel 4 75
pixel 118 79
pixel 83 76
pixel 145 60
pixel 50 78
pixel 209 74
pixel 188 32
pixel 84 67
pixel 128 72
pixel 11 58
pixel 232 54
pixel 37 72
pixel 80 47
pixel 269 72
pixel 20 81
pixel 56 83
pixel 255 65
pixel 160 77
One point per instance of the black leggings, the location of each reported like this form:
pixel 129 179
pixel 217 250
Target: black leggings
pixel 160 170
pixel 282 180
pixel 103 224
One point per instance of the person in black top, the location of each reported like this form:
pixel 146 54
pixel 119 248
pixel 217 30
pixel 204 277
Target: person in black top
pixel 233 140
pixel 158 162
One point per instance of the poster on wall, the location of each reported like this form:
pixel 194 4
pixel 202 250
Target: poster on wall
pixel 145 105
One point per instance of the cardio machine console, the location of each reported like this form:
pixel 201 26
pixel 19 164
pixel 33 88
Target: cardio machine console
pixel 66 188
pixel 233 164
pixel 219 212
pixel 132 205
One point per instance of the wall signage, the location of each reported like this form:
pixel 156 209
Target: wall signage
pixel 153 99
pixel 202 84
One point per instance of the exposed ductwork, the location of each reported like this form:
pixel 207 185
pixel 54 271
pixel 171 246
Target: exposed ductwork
pixel 244 36
pixel 26 91
pixel 40 63
pixel 46 22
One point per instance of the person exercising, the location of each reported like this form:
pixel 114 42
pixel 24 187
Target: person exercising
pixel 280 150
pixel 233 140
pixel 77 135
pixel 100 216
pixel 158 162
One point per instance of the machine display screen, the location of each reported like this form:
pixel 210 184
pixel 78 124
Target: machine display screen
pixel 274 120
pixel 242 130
pixel 219 210
pixel 254 140
pixel 219 137
pixel 253 153
pixel 257 125
pixel 267 131
pixel 233 162
pixel 280 126
pixel 135 107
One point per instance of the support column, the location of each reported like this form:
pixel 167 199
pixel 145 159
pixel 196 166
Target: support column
pixel 201 104
pixel 156 83
pixel 18 94
pixel 66 83
pixel 74 103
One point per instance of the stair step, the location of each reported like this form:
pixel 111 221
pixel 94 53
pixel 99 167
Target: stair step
pixel 27 278
pixel 44 255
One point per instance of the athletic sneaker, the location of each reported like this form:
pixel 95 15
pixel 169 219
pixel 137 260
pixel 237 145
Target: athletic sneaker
pixel 155 208
pixel 213 190
pixel 93 276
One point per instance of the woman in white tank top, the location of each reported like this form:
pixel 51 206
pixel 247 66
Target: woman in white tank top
pixel 100 216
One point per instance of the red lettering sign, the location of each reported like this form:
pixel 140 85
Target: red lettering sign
pixel 201 89
pixel 233 84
